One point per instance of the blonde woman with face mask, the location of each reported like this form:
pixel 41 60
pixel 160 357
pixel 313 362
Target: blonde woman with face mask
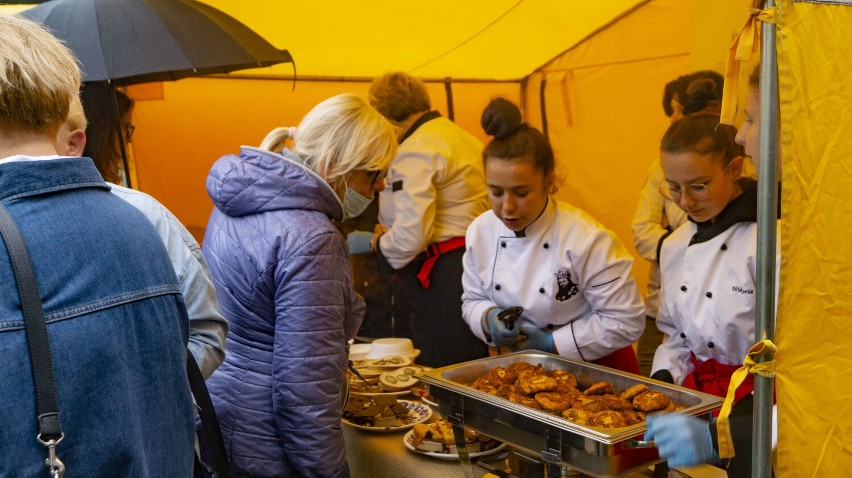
pixel 284 282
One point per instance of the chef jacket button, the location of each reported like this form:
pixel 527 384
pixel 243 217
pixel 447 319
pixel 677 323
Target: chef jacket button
pixel 549 326
pixel 497 287
pixel 503 244
pixel 683 288
pixel 541 290
pixel 682 335
pixel 709 295
pixel 546 245
pixel 710 344
pixel 724 247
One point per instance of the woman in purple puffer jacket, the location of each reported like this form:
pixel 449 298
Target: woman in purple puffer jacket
pixel 284 282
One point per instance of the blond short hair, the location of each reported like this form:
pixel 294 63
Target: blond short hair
pixel 398 95
pixel 39 77
pixel 76 115
pixel 340 135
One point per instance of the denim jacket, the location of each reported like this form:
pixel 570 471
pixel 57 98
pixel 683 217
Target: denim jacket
pixel 117 328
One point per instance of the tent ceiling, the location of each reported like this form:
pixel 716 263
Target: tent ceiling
pixel 460 39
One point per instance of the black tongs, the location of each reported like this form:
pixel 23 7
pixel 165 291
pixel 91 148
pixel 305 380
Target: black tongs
pixel 509 315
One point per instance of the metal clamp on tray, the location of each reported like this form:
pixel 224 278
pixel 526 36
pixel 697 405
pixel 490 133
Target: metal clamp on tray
pixel 603 452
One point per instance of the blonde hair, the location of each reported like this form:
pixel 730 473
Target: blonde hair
pixel 340 135
pixel 38 77
pixel 76 115
pixel 399 95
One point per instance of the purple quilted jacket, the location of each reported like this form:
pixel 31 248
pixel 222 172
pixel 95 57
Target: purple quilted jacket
pixel 284 283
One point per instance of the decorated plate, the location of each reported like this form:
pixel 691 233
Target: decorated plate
pixel 408 439
pixel 417 413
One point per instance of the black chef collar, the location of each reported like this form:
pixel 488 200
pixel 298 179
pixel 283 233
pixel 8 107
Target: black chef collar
pixel 420 121
pixel 742 209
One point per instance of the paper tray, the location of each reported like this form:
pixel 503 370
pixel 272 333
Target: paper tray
pixel 598 451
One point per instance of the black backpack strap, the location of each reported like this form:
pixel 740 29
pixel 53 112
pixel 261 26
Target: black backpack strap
pixel 209 421
pixel 47 407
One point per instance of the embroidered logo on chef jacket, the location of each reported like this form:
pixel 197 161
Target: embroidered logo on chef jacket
pixel 567 288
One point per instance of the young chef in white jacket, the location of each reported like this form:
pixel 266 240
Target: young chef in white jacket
pixel 436 187
pixel 570 274
pixel 708 287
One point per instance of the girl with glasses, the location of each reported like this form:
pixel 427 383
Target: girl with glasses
pixel 708 290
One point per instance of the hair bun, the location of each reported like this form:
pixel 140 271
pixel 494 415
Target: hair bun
pixel 701 95
pixel 501 118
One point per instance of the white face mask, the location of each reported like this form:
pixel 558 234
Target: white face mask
pixel 354 203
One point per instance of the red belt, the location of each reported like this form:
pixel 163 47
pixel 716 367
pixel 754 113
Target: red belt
pixel 433 252
pixel 713 377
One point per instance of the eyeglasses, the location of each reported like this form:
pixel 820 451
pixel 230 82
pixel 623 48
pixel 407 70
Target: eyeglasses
pixel 129 128
pixel 378 175
pixel 699 191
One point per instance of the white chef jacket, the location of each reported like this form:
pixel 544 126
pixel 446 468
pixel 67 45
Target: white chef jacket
pixel 567 269
pixel 436 188
pixel 707 302
pixel 655 216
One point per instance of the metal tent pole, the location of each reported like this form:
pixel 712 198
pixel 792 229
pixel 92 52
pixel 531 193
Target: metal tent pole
pixel 767 215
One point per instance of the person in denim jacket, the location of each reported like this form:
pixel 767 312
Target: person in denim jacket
pixel 116 321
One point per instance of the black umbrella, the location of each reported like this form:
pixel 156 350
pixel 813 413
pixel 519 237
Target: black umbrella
pixel 137 41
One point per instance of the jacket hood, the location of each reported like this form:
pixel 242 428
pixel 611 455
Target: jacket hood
pixel 259 181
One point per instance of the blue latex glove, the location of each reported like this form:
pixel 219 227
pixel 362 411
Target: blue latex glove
pixel 537 339
pixel 501 336
pixel 359 242
pixel 682 440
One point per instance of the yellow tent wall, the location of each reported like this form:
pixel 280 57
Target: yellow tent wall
pixel 184 126
pixel 814 359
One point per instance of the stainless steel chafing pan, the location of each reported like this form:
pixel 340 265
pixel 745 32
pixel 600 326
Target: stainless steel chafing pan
pixel 601 452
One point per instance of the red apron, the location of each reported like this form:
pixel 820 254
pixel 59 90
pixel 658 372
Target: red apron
pixel 624 360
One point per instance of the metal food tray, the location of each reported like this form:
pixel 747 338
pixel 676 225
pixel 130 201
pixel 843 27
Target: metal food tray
pixel 601 452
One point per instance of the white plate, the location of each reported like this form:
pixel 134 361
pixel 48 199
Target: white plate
pixel 408 439
pixel 417 413
pixel 429 402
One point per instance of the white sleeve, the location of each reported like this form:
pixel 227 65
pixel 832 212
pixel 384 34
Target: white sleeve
pixel 617 314
pixel 474 301
pixel 413 195
pixel 648 219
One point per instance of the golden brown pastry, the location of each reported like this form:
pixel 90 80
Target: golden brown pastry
pixel 500 376
pixel 553 402
pixel 633 391
pixel 564 378
pixel 600 388
pixel 531 383
pixel 650 401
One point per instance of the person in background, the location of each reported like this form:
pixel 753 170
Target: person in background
pixel 207 326
pixel 116 323
pixel 709 321
pixel 102 141
pixel 282 274
pixel 656 217
pixel 569 273
pixel 436 188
